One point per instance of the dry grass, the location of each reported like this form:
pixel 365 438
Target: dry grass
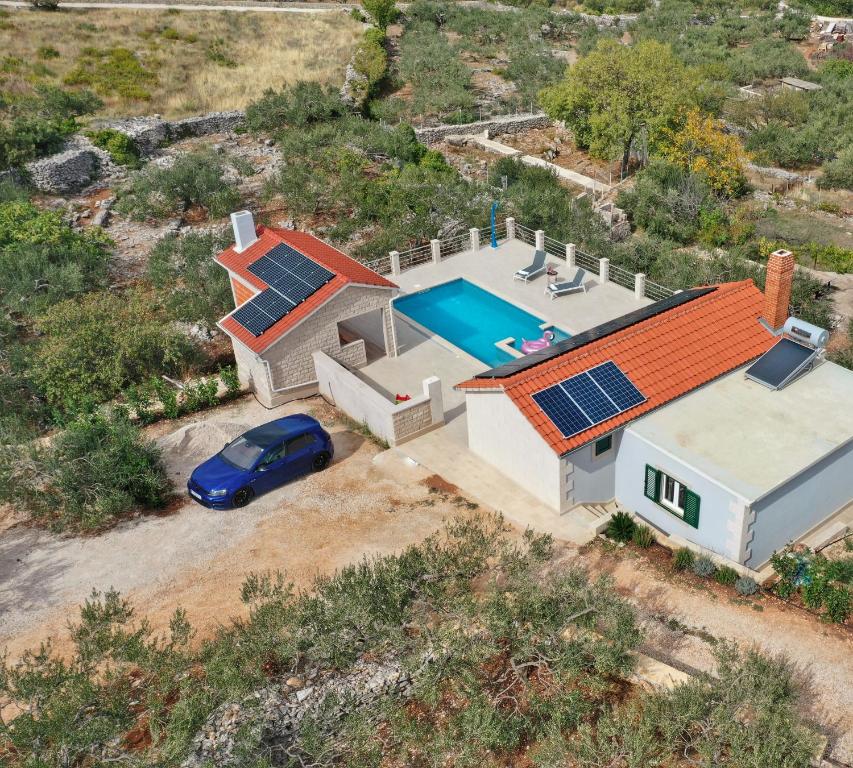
pixel 255 51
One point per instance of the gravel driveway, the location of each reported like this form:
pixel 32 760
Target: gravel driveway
pixel 197 558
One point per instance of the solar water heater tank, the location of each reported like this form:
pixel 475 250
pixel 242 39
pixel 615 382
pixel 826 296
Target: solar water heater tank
pixel 806 332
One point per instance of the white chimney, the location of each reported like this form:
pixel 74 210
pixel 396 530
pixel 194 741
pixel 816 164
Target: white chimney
pixel 244 230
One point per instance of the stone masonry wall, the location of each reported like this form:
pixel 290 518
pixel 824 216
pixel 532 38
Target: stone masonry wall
pixel 290 358
pixel 498 126
pixel 411 421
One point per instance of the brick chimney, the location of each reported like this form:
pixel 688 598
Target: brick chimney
pixel 777 288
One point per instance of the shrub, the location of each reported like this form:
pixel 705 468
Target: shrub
pixel 230 379
pixel 45 5
pixel 194 178
pixel 200 394
pixel 194 288
pixel 621 527
pixel 47 52
pixel 297 106
pixel 114 72
pixel 38 123
pixel 96 469
pixel 217 52
pixel 837 603
pixel 746 586
pixel 815 578
pixel 703 566
pixel 726 575
pixel 94 347
pixel 383 12
pixel 371 59
pixel 121 147
pixel 44 261
pixel 643 536
pixel 838 173
pixel 683 559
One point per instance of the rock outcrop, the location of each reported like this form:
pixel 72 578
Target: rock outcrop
pixel 273 717
pixel 68 171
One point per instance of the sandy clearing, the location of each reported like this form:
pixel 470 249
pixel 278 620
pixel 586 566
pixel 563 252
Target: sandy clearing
pixel 197 558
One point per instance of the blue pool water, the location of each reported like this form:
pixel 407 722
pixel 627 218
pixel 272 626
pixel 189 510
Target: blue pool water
pixel 472 319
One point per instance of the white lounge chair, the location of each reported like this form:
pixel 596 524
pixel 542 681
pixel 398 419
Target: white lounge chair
pixel 536 268
pixel 575 285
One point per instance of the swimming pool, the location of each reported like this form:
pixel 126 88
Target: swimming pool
pixel 472 319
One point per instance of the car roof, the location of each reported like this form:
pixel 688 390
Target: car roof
pixel 273 431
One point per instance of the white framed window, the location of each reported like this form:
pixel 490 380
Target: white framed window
pixel 672 494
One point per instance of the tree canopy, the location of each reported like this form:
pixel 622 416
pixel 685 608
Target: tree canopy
pixel 620 96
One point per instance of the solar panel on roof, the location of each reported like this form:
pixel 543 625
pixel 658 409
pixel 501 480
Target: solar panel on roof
pixel 252 318
pixel 588 398
pixel 273 303
pixel 558 407
pixel 265 268
pixel 781 363
pixel 617 385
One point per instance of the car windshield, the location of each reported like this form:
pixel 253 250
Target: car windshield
pixel 242 453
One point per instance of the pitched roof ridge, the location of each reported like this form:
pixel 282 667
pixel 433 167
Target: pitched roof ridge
pixel 596 347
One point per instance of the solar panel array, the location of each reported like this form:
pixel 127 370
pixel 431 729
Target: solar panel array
pixel 587 399
pixel 291 278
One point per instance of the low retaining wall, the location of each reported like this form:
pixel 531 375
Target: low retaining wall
pixel 393 423
pixel 497 126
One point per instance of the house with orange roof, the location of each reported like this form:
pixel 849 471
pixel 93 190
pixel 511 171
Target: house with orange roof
pixel 294 295
pixel 709 413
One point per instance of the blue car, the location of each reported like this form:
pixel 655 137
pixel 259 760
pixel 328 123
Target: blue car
pixel 260 460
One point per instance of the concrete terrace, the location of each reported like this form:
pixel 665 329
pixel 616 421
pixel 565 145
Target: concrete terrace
pixel 422 354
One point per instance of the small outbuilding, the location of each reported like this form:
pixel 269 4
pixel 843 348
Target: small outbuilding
pixel 795 84
pixel 294 295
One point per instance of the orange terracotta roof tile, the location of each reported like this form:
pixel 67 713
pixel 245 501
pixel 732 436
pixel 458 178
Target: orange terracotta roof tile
pixel 665 356
pixel 347 271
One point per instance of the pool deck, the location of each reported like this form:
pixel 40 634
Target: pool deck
pixel 422 354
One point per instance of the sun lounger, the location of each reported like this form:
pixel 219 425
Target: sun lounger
pixel 575 285
pixel 536 268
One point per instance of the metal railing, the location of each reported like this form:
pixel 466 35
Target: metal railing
pixel 461 242
pixel 414 256
pixel 622 277
pixel 658 292
pixel 455 244
pixel 381 266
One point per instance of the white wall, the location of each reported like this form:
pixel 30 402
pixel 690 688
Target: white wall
pixel 394 423
pixel 590 477
pixel 800 504
pixel 499 433
pixel 721 512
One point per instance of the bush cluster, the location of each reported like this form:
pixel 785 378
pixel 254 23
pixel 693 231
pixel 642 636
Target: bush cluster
pixel 196 395
pixel 114 72
pixel 195 178
pixel 521 663
pixel 121 147
pixel 817 580
pixel 96 469
pixel 38 122
pixel 193 287
pixel 296 106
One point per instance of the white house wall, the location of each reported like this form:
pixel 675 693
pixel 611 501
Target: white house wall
pixel 721 512
pixel 591 478
pixel 499 433
pixel 801 504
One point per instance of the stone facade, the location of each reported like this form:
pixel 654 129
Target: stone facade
pixel 498 126
pixel 412 421
pixel 291 366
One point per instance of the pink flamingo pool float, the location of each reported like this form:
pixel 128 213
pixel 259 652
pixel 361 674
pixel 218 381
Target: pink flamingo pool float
pixel 541 343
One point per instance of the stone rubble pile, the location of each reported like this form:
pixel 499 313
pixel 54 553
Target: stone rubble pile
pixel 272 717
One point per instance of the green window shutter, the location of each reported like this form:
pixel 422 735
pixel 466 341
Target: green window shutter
pixel 691 508
pixel 652 488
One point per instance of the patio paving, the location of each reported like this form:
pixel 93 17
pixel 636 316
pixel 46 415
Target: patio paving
pixel 493 269
pixel 422 354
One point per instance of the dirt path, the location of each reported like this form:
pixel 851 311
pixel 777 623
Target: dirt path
pixel 319 7
pixel 682 622
pixel 197 558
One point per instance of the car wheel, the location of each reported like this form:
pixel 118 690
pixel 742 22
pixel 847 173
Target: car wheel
pixel 321 461
pixel 242 497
